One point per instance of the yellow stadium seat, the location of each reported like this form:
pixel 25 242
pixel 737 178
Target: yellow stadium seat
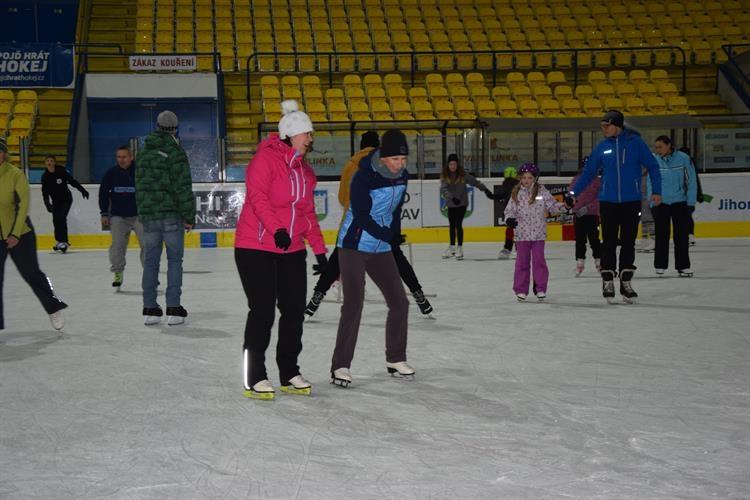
pixel 667 89
pixel 658 76
pixel 313 94
pixel 474 80
pixel 572 108
pixel 20 126
pixel 478 92
pixel 541 92
pixel 524 60
pixel 550 108
pixel 423 111
pixel 454 79
pixel 555 78
pixel 337 111
pixel 515 79
pixel 352 80
pixel 529 108
pixel 584 91
pixel 501 92
pixel 437 92
pixel 354 94
pixel 381 111
pixel 535 78
pixel 521 92
pixel 372 80
pixel 418 94
pixel 486 108
pixel 7 96
pixel 402 111
pixel 396 94
pixel 434 79
pixel 334 95
pixel 604 91
pixel 613 103
pixel 507 108
pixel 292 93
pixel 637 76
pixel 657 105
pixel 25 108
pixel 597 77
pixel 392 79
pixel 592 106
pixel 316 111
pixel 646 90
pixel 376 95
pixel 563 92
pixel 27 95
pixel 678 104
pixel 465 110
pixel 626 90
pixel 635 106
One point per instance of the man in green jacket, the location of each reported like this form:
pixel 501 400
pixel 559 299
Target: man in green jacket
pixel 17 239
pixel 166 207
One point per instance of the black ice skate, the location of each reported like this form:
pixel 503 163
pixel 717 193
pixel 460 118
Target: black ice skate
pixel 626 289
pixel 152 315
pixel 314 304
pixel 424 305
pixel 176 315
pixel 341 377
pixel 608 286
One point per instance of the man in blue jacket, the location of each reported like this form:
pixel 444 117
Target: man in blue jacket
pixel 618 159
pixel 119 211
pixel 364 245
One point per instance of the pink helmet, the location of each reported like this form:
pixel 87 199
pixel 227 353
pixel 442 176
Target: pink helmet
pixel 530 168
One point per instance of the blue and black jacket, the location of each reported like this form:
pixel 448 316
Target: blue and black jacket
pixel 678 180
pixel 372 220
pixel 117 192
pixel 619 161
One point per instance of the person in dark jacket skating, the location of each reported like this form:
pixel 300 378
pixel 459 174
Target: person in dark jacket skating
pixel 119 212
pixel 58 199
pixel 510 179
pixel 618 159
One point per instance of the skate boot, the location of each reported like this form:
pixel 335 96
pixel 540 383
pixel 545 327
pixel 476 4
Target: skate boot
pixel 685 273
pixel 660 272
pixel 57 320
pixel 401 370
pixel 608 286
pixel 341 377
pixel 460 253
pixel 312 306
pixel 262 390
pixel 63 247
pixel 521 297
pixel 56 248
pixel 541 296
pixel 626 288
pixel 152 315
pixel 424 305
pixel 580 264
pixel 449 252
pixel 504 254
pixel 691 239
pixel 297 385
pixel 117 281
pixel 176 315
pixel 598 264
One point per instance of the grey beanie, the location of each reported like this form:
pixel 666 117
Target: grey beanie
pixel 167 120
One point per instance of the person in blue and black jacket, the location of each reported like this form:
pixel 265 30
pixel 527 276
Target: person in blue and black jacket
pixel 364 247
pixel 618 159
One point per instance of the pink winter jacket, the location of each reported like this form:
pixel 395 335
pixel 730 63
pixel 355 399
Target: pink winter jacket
pixel 279 194
pixel 589 198
pixel 532 218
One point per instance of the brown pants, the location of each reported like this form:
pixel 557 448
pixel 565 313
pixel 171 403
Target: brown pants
pixel 381 267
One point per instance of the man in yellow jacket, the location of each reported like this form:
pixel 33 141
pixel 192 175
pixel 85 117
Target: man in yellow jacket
pixel 19 240
pixel 330 273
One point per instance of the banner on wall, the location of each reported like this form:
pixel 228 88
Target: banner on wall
pixel 37 65
pixel 727 148
pixel 163 63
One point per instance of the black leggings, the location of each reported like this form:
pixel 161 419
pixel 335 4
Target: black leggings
pixel 456 224
pixel 587 228
pixel 60 220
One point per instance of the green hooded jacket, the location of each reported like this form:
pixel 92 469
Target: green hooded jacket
pixel 163 186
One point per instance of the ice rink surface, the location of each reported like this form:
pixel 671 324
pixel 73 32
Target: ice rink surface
pixel 572 398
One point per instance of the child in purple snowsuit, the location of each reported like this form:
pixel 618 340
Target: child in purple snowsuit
pixel 527 213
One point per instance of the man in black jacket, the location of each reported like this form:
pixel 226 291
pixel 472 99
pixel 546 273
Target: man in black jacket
pixel 119 211
pixel 58 200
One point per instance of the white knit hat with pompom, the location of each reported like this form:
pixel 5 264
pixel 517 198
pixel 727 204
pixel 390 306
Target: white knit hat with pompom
pixel 293 121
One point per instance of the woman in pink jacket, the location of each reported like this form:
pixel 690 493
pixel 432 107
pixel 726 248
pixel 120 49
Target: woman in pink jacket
pixel 276 219
pixel 586 211
pixel 526 213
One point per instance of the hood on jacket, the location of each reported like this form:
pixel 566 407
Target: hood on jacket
pixel 159 138
pixel 273 145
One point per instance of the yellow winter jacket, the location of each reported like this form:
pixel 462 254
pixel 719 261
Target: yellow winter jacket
pixel 14 202
pixel 346 177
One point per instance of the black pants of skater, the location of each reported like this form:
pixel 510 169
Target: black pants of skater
pixel 677 216
pixel 405 269
pixel 619 227
pixel 24 257
pixel 381 268
pixel 456 224
pixel 508 239
pixel 691 221
pixel 60 219
pixel 587 229
pixel 269 279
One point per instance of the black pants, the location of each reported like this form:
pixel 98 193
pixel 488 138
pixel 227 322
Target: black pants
pixel 456 224
pixel 619 226
pixel 587 228
pixel 269 278
pixel 25 258
pixel 677 216
pixel 508 238
pixel 60 219
pixel 691 222
pixel 405 269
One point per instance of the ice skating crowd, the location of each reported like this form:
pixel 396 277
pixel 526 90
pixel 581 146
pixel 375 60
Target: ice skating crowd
pixel 618 186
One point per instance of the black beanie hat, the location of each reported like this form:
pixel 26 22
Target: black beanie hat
pixel 3 146
pixel 393 143
pixel 453 157
pixel 614 117
pixel 369 139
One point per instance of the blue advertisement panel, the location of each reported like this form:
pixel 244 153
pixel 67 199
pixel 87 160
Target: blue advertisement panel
pixel 36 65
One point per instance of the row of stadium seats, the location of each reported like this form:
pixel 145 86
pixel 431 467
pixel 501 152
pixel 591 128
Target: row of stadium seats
pixel 18 113
pixel 362 27
pixel 456 98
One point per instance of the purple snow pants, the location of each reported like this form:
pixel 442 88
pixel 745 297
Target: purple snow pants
pixel 530 258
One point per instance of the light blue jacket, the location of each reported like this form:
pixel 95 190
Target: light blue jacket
pixel 619 161
pixel 678 180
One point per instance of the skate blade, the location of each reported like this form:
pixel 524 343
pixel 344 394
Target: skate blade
pixel 263 396
pixel 429 316
pixel 626 300
pixel 340 382
pixel 176 321
pixel 290 389
pixel 610 300
pixel 408 376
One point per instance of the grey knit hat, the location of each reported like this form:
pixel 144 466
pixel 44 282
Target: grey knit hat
pixel 167 120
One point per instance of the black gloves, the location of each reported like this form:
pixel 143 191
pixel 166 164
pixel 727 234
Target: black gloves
pixel 569 200
pixel 511 222
pixel 321 265
pixel 700 198
pixel 85 194
pixel 282 239
pixel 456 201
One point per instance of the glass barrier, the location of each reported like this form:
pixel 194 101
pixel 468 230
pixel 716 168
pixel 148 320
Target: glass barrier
pixel 202 154
pixel 509 149
pixel 727 148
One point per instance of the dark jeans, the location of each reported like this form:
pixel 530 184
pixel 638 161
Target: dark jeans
pixel 405 269
pixel 60 220
pixel 691 222
pixel 160 233
pixel 587 228
pixel 25 258
pixel 269 279
pixel 619 226
pixel 456 224
pixel 677 216
pixel 381 267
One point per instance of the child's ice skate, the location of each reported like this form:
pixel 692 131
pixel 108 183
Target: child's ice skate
pixel 117 281
pixel 401 370
pixel 504 254
pixel 297 385
pixel 460 253
pixel 449 252
pixel 580 264
pixel 626 288
pixel 341 377
pixel 262 390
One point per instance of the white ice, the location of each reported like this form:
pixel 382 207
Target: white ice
pixel 571 398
